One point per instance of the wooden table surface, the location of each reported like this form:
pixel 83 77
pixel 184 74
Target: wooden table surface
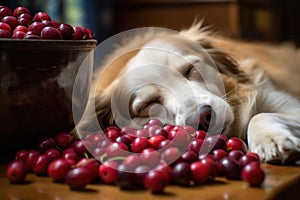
pixel 282 182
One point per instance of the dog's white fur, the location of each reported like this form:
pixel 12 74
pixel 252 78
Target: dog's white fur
pixel 257 100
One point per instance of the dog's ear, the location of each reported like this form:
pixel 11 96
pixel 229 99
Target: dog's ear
pixel 225 63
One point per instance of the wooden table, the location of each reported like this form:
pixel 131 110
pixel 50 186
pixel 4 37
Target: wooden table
pixel 282 182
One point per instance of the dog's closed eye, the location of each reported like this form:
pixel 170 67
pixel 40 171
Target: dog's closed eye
pixel 187 71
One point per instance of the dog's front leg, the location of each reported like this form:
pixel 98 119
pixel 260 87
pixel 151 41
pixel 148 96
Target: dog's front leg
pixel 275 137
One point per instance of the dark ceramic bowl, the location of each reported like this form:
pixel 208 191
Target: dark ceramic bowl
pixel 37 78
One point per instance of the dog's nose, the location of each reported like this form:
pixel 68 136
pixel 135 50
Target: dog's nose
pixel 201 118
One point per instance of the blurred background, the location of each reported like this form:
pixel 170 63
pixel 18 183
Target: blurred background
pixel 267 20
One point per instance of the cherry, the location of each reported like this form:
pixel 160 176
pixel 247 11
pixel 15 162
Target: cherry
pixel 21 28
pixel 155 121
pixel 32 36
pixel 51 33
pixel 139 144
pixel 20 10
pixel 36 27
pixel 213 142
pixel 11 21
pixel 132 161
pixel 53 153
pixel 31 158
pixel 181 174
pixel 200 171
pixel 168 127
pixel 92 165
pixel 79 33
pixel 64 140
pixel 236 144
pixel 195 145
pixel 66 30
pixel 116 149
pixel 218 154
pixel 41 165
pixel 253 174
pixel 41 16
pixel 108 172
pixel 72 155
pixel 246 159
pixel 19 35
pixel 24 19
pixel 80 147
pixel 155 181
pixel 46 143
pixel 126 179
pixel 200 134
pixel 4 34
pixel 230 168
pixel 235 154
pixel 112 133
pixel 125 139
pixel 59 168
pixel 78 178
pixel 150 157
pixel 22 155
pixel 171 154
pixel 17 171
pixel 5 26
pixel 189 157
pixel 155 140
pixel 5 11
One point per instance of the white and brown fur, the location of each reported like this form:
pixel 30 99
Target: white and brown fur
pixel 261 82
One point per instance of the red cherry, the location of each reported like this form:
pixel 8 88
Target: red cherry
pixel 11 21
pixel 246 159
pixel 58 169
pixel 41 16
pixel 108 172
pixel 20 10
pixel 41 165
pixel 64 140
pixel 67 31
pixel 5 26
pixel 230 168
pixel 17 171
pixel 171 154
pixel 155 181
pixel 139 144
pixel 36 27
pixel 46 143
pixel 5 11
pixel 155 140
pixel 181 174
pixel 78 178
pixel 236 144
pixel 51 33
pixel 24 19
pixel 21 28
pixel 79 33
pixel 4 34
pixel 92 165
pixel 150 157
pixel 200 171
pixel 253 174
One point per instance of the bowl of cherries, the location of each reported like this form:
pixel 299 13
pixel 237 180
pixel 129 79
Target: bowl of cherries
pixel 40 60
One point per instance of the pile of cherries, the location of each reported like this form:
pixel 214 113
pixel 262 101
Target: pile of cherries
pixel 20 24
pixel 148 158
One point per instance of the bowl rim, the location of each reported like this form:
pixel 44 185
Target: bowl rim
pixel 21 44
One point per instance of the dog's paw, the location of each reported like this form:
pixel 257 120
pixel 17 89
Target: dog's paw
pixel 272 141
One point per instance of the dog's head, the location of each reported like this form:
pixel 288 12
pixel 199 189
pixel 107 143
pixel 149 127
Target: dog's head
pixel 179 78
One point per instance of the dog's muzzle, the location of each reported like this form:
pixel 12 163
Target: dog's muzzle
pixel 202 118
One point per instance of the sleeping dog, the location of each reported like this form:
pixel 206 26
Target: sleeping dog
pixel 198 78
